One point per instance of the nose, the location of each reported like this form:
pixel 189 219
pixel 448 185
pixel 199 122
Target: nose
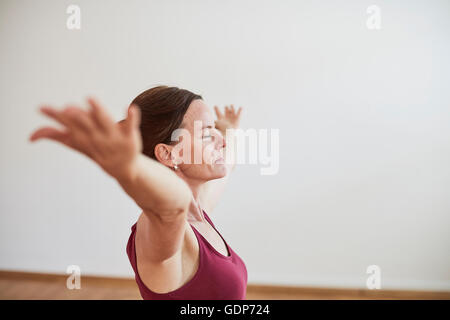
pixel 221 140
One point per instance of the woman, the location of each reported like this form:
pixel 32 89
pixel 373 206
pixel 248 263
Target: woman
pixel 174 248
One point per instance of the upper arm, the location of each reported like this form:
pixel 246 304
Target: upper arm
pixel 160 237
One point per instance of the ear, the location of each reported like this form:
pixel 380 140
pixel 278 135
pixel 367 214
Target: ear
pixel 163 154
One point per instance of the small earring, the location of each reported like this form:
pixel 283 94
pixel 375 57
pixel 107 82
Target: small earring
pixel 175 167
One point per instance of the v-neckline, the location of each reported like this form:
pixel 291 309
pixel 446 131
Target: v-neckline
pixel 209 244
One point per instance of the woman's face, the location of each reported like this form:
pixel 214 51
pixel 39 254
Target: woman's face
pixel 200 152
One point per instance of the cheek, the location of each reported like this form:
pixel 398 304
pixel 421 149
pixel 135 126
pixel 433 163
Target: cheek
pixel 206 150
pixel 197 151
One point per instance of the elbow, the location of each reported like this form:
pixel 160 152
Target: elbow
pixel 185 196
pixel 177 203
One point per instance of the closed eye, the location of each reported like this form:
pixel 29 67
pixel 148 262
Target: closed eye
pixel 207 136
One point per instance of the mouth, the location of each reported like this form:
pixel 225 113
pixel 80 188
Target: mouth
pixel 220 160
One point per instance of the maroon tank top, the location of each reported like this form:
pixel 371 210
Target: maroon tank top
pixel 218 277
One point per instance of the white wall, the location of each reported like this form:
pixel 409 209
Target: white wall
pixel 364 132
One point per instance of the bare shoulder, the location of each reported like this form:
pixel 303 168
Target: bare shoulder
pixel 172 273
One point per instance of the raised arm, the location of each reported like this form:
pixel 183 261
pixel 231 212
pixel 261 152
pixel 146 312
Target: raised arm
pixel 117 149
pixel 212 190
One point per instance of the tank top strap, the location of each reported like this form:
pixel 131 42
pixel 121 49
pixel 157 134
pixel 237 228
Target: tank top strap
pixel 207 218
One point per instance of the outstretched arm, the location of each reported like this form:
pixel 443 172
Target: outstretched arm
pixel 116 148
pixel 213 189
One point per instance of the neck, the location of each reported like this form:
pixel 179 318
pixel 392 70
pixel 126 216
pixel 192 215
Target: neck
pixel 195 212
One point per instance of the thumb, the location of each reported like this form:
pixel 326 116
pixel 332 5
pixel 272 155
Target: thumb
pixel 133 118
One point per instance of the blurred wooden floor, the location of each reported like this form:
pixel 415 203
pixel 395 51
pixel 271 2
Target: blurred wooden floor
pixel 23 285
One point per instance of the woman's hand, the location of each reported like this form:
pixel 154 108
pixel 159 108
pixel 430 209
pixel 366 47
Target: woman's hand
pixel 229 120
pixel 113 146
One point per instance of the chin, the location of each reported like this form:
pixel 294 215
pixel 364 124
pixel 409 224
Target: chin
pixel 220 171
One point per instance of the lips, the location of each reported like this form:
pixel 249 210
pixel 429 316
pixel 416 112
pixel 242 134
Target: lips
pixel 219 160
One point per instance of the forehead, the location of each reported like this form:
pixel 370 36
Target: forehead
pixel 198 111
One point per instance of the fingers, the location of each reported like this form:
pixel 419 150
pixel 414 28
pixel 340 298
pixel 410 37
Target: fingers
pixel 63 137
pixel 239 112
pixel 80 119
pixel 52 134
pixel 54 114
pixel 218 113
pixel 80 128
pixel 100 116
pixel 71 117
pixel 230 112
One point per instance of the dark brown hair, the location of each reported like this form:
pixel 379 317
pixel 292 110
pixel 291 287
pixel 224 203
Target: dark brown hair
pixel 162 111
